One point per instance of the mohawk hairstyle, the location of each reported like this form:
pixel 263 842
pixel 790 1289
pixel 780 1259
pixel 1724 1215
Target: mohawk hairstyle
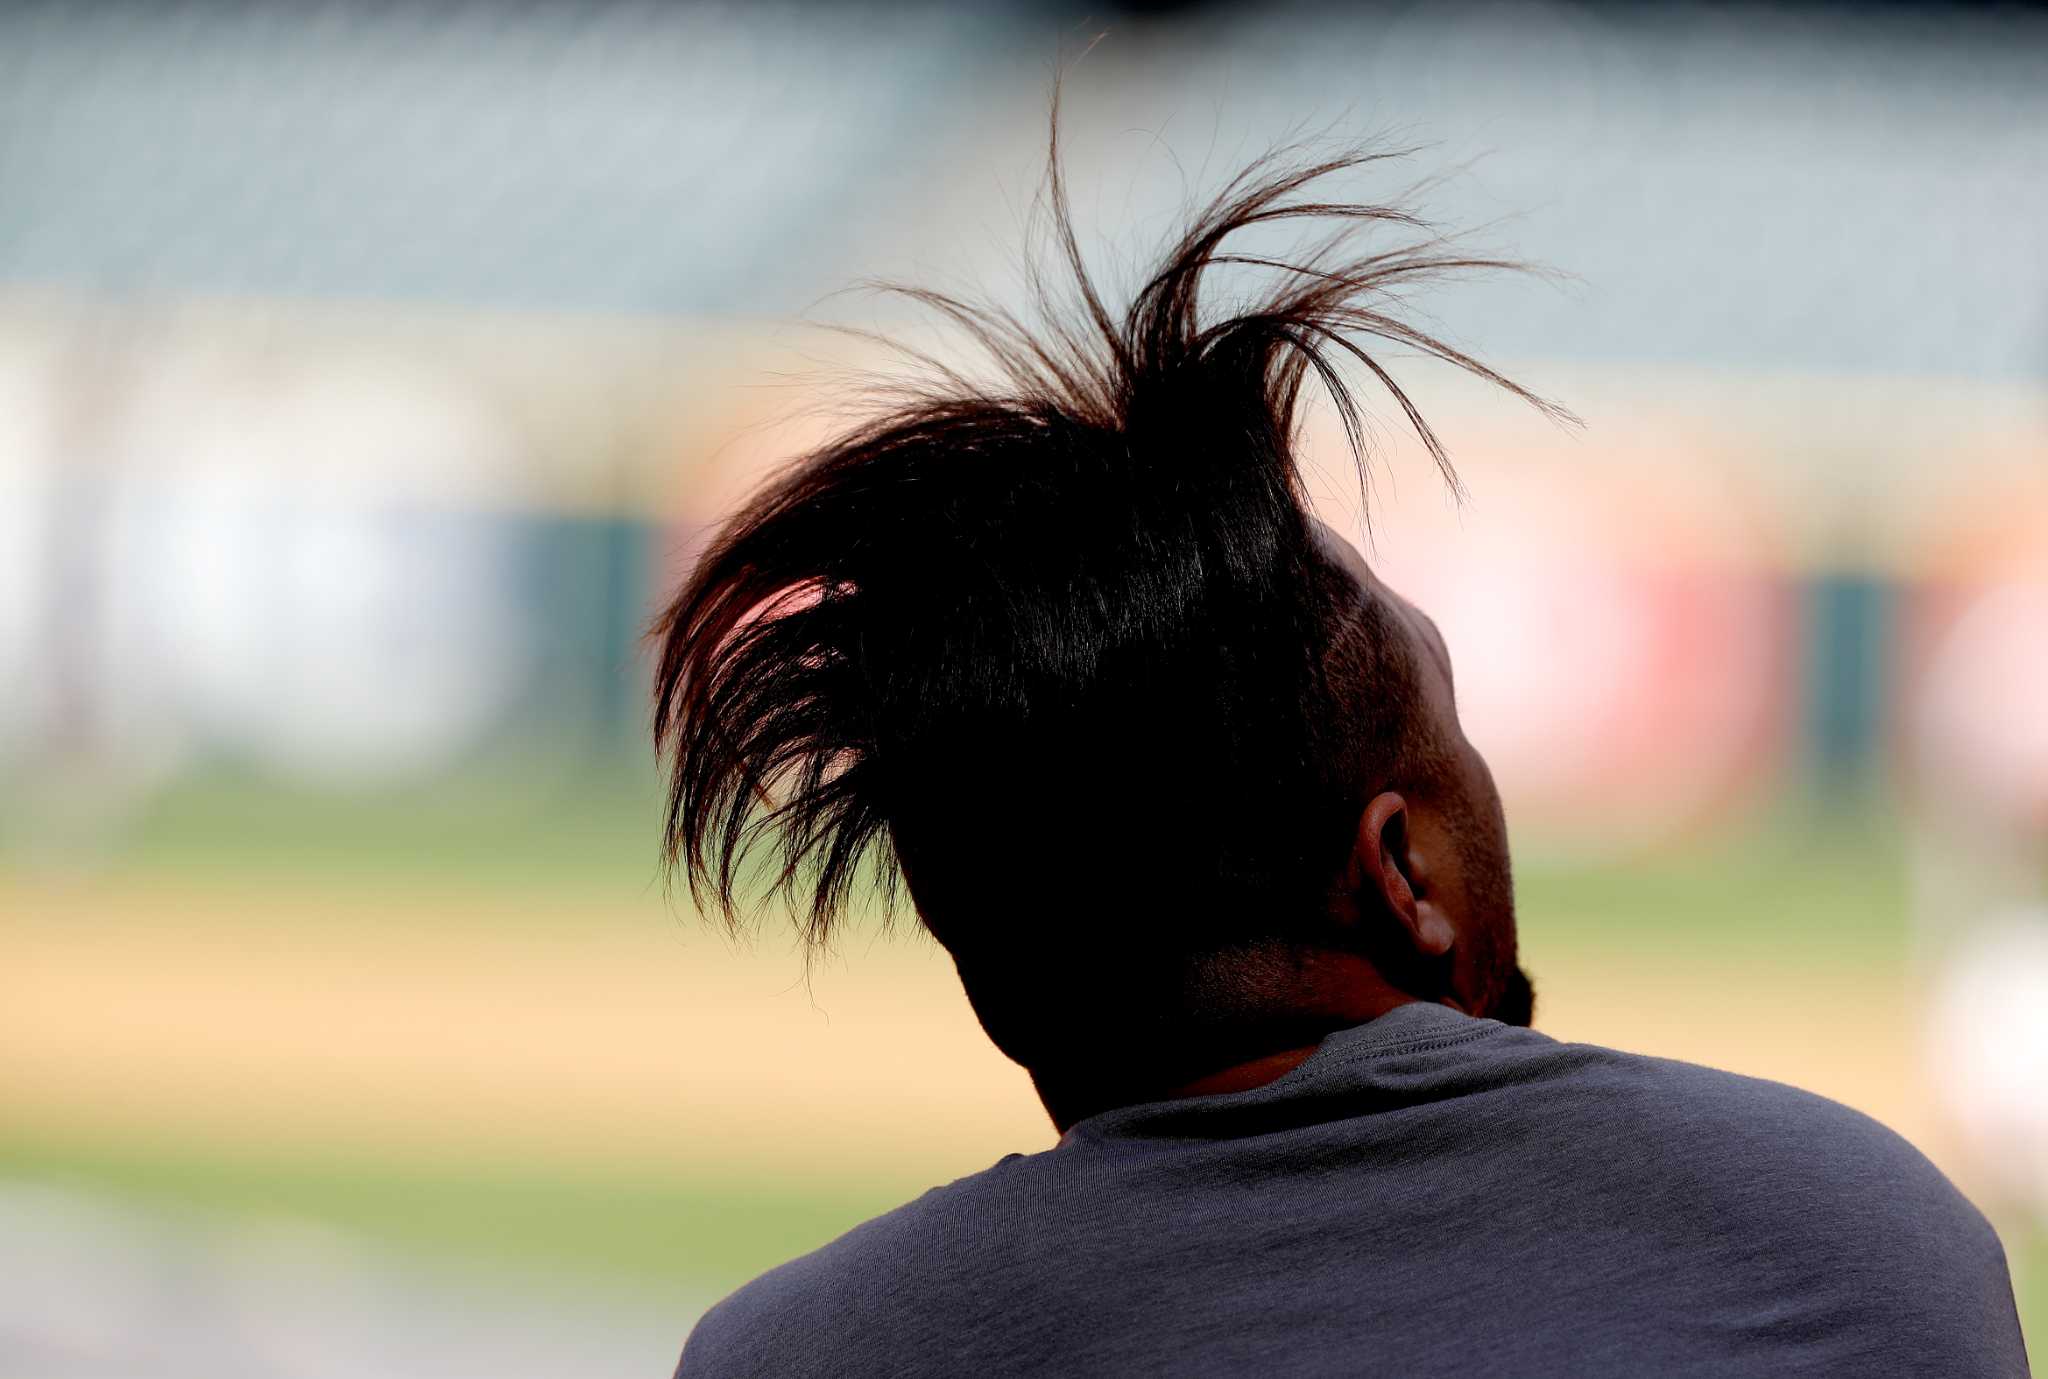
pixel 1060 652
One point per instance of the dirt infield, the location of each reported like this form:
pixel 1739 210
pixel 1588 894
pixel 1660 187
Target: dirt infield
pixel 485 1029
pixel 488 1029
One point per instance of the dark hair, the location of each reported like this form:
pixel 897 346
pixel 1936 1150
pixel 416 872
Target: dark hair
pixel 1060 651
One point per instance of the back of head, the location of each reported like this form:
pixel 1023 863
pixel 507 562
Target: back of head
pixel 1060 654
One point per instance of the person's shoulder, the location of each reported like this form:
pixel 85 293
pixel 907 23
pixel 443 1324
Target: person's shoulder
pixel 1812 1184
pixel 1694 1111
pixel 805 1317
pixel 1671 1114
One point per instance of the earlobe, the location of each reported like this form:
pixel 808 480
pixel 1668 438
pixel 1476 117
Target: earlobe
pixel 1434 935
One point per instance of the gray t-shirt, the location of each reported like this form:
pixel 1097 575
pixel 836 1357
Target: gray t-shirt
pixel 1428 1194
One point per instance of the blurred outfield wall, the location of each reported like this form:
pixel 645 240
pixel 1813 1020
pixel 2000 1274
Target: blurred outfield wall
pixel 366 377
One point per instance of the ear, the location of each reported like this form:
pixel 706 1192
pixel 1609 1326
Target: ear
pixel 1384 867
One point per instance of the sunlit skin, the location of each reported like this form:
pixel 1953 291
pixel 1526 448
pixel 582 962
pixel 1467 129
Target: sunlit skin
pixel 1423 910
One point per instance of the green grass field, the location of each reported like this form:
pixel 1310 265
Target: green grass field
pixel 703 1233
pixel 589 827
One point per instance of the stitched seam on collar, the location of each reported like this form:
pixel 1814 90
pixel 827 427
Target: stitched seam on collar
pixel 1420 1044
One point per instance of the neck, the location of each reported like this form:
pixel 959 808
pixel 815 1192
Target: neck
pixel 1243 1077
pixel 1329 992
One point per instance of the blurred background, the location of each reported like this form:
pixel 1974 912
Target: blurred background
pixel 368 371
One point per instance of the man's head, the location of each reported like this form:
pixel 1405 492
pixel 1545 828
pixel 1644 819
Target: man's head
pixel 1173 776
